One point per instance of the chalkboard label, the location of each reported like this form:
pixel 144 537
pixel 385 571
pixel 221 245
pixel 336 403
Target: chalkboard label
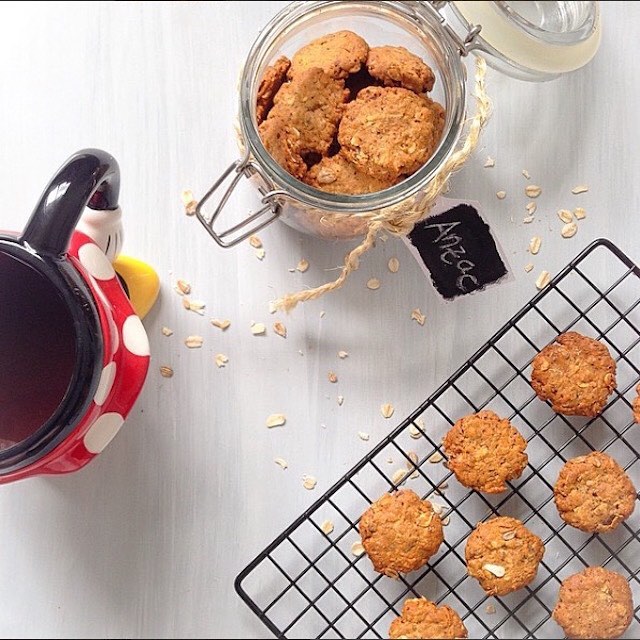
pixel 458 249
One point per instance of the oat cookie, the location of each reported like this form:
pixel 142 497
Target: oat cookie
pixel 503 555
pixel 595 603
pixel 636 405
pixel 423 619
pixel 312 103
pixel 398 67
pixel 337 54
pixel 484 451
pixel 337 175
pixel 400 532
pixel 282 141
pixel 593 493
pixel 576 374
pixel 273 78
pixel 390 132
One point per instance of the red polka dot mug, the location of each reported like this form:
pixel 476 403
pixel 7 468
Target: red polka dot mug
pixel 73 353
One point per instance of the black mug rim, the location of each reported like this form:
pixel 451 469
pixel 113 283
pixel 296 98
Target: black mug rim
pixel 85 379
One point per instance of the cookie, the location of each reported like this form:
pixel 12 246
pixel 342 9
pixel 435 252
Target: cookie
pixel 423 619
pixel 338 175
pixel 282 141
pixel 503 555
pixel 484 451
pixel 273 78
pixel 398 67
pixel 595 603
pixel 636 405
pixel 593 493
pixel 390 132
pixel 337 54
pixel 400 532
pixel 312 103
pixel 576 374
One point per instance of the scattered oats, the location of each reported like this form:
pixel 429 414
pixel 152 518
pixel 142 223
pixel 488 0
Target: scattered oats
pixel 489 162
pixel 532 191
pixel 414 432
pixel 303 265
pixel 420 423
pixel 340 400
pixel 167 332
pixel 418 316
pixel 387 410
pixel 189 202
pixel 389 460
pixel 309 482
pixel 194 342
pixel 223 325
pixel 272 307
pixel 221 360
pixel 526 174
pixel 437 508
pixel 565 215
pixel 258 328
pixel 292 270
pixel 445 521
pixel 501 195
pixel 357 549
pixel 280 329
pixel 534 245
pixel 528 219
pixel 282 463
pixel 582 188
pixel 413 459
pixel 333 377
pixel 528 267
pixel 342 355
pixel 490 609
pixel 394 265
pixel 183 287
pixel 436 457
pixel 497 570
pixel 194 305
pixel 255 242
pixel 363 436
pixel 399 475
pixel 373 284
pixel 323 314
pixel 531 208
pixel 186 303
pixel 276 420
pixel 327 527
pixel 442 487
pixel 569 230
pixel 579 213
pixel 166 371
pixel 508 535
pixel 260 253
pixel 543 280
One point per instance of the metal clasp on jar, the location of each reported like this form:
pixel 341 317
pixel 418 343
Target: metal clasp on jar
pixel 247 168
pixel 466 45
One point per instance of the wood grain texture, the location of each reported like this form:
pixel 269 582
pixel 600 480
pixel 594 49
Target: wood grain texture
pixel 146 541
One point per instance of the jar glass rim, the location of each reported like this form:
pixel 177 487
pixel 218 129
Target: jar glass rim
pixel 422 15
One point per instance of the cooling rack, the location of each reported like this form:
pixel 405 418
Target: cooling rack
pixel 309 584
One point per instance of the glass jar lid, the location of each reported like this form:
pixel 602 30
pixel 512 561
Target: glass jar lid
pixel 531 40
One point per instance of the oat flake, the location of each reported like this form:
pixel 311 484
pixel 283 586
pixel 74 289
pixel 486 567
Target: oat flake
pixel 340 400
pixel 387 410
pixel 363 436
pixel 276 420
pixel 333 378
pixel 255 242
pixel 303 265
pixel 399 475
pixel 309 482
pixel 543 280
pixel 501 195
pixel 394 265
pixel 373 284
pixel 280 329
pixel 418 316
pixel 342 355
pixel 166 371
pixel 534 245
pixel 167 332
pixel 489 163
pixel 497 570
pixel 189 202
pixel 258 329
pixel 221 360
pixel 582 188
pixel 327 527
pixel 532 191
pixel 579 213
pixel 260 254
pixel 282 463
pixel 357 549
pixel 223 325
pixel 194 342
pixel 436 457
pixel 414 432
pixel 528 267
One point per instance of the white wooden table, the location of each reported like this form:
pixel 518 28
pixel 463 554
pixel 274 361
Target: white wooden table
pixel 146 541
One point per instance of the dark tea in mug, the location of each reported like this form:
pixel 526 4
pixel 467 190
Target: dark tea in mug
pixel 37 350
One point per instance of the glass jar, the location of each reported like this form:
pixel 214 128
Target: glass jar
pixel 529 40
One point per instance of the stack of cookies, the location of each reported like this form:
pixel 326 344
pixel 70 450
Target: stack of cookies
pixel 400 532
pixel 348 119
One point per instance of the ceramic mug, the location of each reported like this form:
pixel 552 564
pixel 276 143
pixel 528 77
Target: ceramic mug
pixel 73 353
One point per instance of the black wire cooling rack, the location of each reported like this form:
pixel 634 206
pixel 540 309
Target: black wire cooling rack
pixel 309 584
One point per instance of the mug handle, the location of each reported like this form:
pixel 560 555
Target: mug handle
pixel 89 178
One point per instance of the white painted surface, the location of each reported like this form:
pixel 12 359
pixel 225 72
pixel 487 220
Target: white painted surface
pixel 146 541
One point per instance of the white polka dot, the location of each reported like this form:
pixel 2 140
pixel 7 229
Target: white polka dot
pixel 135 337
pixel 95 262
pixel 105 384
pixel 102 432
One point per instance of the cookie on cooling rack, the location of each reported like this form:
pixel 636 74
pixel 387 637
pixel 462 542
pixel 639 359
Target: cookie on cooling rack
pixel 423 619
pixel 400 532
pixel 636 405
pixel 576 374
pixel 593 493
pixel 484 451
pixel 503 555
pixel 595 603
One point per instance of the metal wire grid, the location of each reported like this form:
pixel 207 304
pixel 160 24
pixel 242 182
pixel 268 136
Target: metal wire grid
pixel 309 584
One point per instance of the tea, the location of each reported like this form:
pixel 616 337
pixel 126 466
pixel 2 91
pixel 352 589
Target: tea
pixel 37 350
